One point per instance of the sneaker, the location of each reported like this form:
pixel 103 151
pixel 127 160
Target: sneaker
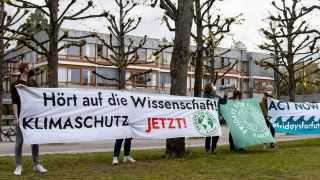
pixel 39 168
pixel 18 171
pixel 115 161
pixel 264 146
pixel 128 159
pixel 273 145
pixel 214 151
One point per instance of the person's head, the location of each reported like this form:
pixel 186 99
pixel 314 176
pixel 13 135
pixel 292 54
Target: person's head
pixel 269 90
pixel 237 94
pixel 25 67
pixel 209 88
pixel 129 86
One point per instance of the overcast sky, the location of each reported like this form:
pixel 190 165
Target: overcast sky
pixel 254 11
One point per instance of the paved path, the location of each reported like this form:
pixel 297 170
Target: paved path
pixel 7 148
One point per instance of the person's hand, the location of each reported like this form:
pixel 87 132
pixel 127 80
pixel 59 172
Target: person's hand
pixel 16 121
pixel 226 92
pixel 20 86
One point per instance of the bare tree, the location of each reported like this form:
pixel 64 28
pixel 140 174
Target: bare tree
pixel 181 13
pixel 6 20
pixel 208 43
pixel 49 48
pixel 123 55
pixel 291 41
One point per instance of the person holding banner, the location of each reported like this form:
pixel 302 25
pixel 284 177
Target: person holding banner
pixel 24 80
pixel 264 108
pixel 210 92
pixel 127 142
pixel 237 95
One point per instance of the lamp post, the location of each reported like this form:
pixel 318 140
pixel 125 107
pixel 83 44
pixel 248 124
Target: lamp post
pixel 239 46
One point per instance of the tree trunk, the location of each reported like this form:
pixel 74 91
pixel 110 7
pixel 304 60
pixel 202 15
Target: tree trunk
pixel 290 58
pixel 175 147
pixel 1 80
pixel 122 69
pixel 122 77
pixel 277 79
pixel 2 48
pixel 292 85
pixel 198 74
pixel 53 45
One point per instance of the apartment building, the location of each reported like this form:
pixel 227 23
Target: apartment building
pixel 76 71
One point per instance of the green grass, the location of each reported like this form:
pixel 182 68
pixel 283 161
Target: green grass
pixel 290 160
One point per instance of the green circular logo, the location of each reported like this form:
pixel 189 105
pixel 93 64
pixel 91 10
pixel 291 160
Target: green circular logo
pixel 205 123
pixel 249 112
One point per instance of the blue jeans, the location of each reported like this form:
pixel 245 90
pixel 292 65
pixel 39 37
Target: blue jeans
pixel 18 150
pixel 118 144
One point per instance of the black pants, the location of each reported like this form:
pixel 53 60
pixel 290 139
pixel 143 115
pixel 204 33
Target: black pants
pixel 213 140
pixel 232 148
pixel 271 128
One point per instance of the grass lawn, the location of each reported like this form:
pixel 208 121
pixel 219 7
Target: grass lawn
pixel 290 160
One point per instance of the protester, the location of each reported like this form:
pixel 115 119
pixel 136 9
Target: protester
pixel 264 107
pixel 127 142
pixel 210 92
pixel 237 95
pixel 24 80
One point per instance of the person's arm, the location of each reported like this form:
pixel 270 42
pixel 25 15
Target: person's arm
pixel 264 108
pixel 224 99
pixel 15 114
pixel 15 101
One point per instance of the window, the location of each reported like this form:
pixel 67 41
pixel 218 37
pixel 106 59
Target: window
pixel 63 52
pixel 109 73
pixel 31 56
pixel 217 62
pixel 142 54
pixel 168 57
pixel 225 63
pixel 232 61
pixel 74 76
pixel 111 53
pixel 130 55
pixel 101 51
pixel 90 50
pixel 141 78
pixel 165 79
pixel 245 86
pixel 256 86
pixel 86 77
pixel 73 52
pixel 62 75
pixel 246 67
pixel 150 56
pixel 233 81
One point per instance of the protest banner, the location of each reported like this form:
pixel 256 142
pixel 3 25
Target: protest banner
pixel 246 122
pixel 294 118
pixel 53 115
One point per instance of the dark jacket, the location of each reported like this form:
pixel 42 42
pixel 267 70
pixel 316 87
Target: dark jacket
pixel 14 93
pixel 264 105
pixel 215 96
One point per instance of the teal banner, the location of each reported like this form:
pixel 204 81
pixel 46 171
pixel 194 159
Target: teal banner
pixel 246 122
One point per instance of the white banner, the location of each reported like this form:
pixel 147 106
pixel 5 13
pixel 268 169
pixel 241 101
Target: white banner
pixel 56 115
pixel 294 118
